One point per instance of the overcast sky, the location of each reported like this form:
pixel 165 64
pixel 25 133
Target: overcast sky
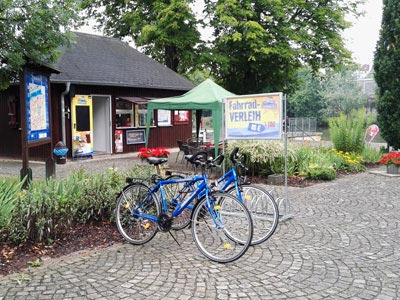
pixel 362 37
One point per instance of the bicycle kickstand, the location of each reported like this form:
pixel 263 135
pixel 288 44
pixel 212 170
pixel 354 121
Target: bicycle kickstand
pixel 174 238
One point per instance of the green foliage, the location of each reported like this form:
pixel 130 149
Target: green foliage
pixel 326 95
pixel 97 198
pixel 341 93
pixel 198 76
pixel 259 45
pixel 345 161
pixel 306 101
pixel 320 173
pixel 347 132
pixel 264 157
pixel 167 30
pixel 48 207
pixel 387 74
pixel 35 263
pixel 9 193
pixel 314 163
pixel 370 155
pixel 32 31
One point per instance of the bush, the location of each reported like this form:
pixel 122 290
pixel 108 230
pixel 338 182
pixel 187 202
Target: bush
pixel 263 157
pixel 49 207
pixel 314 163
pixel 347 132
pixel 345 161
pixel 370 155
pixel 320 172
pixel 9 193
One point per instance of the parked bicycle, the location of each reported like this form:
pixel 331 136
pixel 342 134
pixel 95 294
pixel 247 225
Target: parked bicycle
pixel 258 200
pixel 221 225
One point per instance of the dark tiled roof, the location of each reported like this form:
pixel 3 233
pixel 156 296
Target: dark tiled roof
pixel 99 60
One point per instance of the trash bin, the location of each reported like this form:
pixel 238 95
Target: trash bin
pixel 60 151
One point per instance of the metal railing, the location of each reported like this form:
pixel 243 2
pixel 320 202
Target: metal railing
pixel 302 127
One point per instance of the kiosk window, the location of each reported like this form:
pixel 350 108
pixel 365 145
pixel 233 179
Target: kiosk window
pixel 82 118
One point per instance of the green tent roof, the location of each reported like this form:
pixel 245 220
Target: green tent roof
pixel 207 95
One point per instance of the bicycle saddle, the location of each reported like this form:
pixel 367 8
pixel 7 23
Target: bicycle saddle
pixel 156 160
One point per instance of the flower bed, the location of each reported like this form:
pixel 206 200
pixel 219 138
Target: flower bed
pixel 153 152
pixel 392 158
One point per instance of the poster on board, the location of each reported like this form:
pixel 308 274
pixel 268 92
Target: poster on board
pixel 37 107
pixel 254 116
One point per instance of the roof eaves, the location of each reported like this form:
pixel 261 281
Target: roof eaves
pixel 118 84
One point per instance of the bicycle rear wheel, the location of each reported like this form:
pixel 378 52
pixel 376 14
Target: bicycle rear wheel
pixel 222 227
pixel 136 200
pixel 263 209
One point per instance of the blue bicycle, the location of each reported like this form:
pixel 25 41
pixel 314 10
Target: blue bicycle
pixel 258 200
pixel 221 224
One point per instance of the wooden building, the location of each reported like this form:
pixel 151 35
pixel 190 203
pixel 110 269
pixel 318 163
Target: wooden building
pixel 99 100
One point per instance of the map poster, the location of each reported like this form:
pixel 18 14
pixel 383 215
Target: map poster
pixel 253 116
pixel 37 107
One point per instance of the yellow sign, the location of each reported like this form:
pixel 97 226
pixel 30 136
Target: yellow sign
pixel 253 116
pixel 82 126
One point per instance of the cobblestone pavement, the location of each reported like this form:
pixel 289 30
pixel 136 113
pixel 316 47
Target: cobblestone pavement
pixel 99 163
pixel 342 243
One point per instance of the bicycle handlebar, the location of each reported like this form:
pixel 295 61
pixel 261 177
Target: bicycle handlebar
pixel 200 158
pixel 235 156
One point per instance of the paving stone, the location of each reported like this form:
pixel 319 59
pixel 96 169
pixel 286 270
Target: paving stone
pixel 342 243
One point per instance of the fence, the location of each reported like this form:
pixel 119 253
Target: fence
pixel 302 125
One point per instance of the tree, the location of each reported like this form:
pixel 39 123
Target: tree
pixel 32 31
pixel 306 101
pixel 341 93
pixel 387 73
pixel 326 95
pixel 260 44
pixel 166 29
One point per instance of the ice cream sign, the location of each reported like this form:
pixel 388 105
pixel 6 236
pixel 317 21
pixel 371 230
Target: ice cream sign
pixel 254 116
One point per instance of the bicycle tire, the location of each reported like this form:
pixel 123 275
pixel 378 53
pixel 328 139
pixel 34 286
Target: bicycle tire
pixel 228 242
pixel 171 190
pixel 136 230
pixel 263 209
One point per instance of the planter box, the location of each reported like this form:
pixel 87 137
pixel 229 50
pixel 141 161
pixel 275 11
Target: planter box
pixel 393 169
pixel 275 178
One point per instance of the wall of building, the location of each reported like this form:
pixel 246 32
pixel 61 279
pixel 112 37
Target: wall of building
pixel 10 145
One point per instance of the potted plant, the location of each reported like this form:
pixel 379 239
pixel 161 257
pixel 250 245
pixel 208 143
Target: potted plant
pixel 153 152
pixel 392 161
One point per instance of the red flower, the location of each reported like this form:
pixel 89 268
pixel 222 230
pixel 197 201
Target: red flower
pixel 392 158
pixel 153 152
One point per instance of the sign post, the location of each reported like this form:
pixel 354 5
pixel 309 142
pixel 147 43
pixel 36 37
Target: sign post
pixel 253 116
pixel 35 116
pixel 256 117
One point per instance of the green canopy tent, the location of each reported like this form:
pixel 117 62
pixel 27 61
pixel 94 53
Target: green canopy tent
pixel 207 95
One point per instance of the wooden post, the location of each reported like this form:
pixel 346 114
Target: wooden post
pixel 25 171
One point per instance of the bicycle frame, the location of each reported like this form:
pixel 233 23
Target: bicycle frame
pixel 202 189
pixel 228 179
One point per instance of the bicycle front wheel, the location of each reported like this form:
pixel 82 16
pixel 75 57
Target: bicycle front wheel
pixel 133 203
pixel 222 227
pixel 263 209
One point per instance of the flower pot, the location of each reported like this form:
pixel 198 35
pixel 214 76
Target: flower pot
pixel 393 169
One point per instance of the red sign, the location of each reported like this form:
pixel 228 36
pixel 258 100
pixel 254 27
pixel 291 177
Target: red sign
pixel 371 133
